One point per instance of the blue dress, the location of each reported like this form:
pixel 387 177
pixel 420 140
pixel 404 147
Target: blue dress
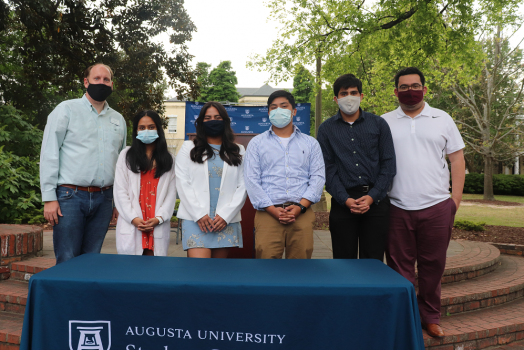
pixel 231 235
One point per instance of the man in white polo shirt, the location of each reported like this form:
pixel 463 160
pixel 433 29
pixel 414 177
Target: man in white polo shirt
pixel 422 212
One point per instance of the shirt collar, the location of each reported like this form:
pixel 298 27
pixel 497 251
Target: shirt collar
pixel 426 112
pixel 360 116
pixel 90 106
pixel 295 130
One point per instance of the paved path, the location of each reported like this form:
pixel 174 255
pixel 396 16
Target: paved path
pixel 322 244
pixel 322 241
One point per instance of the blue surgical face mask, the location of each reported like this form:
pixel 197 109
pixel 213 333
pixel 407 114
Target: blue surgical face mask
pixel 280 117
pixel 147 136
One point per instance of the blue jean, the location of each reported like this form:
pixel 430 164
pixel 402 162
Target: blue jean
pixel 84 224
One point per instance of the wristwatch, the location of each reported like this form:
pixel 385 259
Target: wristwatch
pixel 160 220
pixel 302 208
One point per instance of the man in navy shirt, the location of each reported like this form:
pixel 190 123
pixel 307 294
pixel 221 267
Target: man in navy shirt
pixel 360 166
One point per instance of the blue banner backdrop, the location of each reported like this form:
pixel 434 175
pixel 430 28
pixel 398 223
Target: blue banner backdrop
pixel 248 119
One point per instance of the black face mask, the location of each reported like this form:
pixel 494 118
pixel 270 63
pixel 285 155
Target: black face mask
pixel 214 127
pixel 99 92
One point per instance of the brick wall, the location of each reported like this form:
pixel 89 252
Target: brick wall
pixel 18 242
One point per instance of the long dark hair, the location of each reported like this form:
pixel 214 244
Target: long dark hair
pixel 136 157
pixel 229 152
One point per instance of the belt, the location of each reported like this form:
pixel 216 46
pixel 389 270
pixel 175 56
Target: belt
pixel 88 189
pixel 364 189
pixel 287 204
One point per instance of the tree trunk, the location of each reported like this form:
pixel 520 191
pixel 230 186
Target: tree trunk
pixel 318 98
pixel 488 178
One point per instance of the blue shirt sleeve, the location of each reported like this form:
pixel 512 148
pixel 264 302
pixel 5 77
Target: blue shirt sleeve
pixel 253 177
pixel 317 173
pixel 54 134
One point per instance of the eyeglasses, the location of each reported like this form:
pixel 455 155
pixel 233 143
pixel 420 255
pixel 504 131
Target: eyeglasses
pixel 408 87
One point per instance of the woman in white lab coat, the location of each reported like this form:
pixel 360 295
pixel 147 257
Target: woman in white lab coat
pixel 145 190
pixel 210 183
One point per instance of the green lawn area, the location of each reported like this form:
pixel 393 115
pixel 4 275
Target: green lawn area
pixel 491 216
pixel 517 199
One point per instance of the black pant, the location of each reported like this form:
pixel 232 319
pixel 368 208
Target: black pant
pixel 363 235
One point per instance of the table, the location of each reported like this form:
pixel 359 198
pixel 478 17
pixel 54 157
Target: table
pixel 102 302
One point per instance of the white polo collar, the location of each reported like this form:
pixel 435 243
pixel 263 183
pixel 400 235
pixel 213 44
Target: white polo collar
pixel 426 112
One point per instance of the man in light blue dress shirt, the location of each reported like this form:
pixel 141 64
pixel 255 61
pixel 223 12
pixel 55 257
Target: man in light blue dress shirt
pixel 284 174
pixel 82 140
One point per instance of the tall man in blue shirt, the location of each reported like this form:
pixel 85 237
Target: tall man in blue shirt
pixel 284 175
pixel 82 140
pixel 360 165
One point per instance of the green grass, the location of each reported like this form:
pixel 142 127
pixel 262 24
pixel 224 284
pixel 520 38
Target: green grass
pixel 491 216
pixel 517 199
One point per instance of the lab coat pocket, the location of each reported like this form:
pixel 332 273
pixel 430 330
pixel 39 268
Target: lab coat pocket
pixel 158 232
pixel 125 228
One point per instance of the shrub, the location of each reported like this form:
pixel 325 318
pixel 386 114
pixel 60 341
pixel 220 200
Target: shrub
pixel 502 184
pixel 469 225
pixel 20 199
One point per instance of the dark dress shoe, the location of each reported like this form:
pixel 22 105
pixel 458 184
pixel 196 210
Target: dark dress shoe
pixel 433 330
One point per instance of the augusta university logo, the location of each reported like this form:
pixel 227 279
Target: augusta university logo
pixel 247 127
pixel 298 119
pixel 247 111
pixel 264 120
pixel 89 335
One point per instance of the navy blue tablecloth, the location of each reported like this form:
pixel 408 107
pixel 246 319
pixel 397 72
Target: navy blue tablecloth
pixel 98 301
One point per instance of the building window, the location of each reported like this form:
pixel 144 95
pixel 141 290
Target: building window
pixel 171 126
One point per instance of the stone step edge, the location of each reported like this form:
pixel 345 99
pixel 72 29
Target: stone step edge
pixel 483 298
pixel 24 270
pixel 460 268
pixel 12 300
pixel 472 343
pixel 480 329
pixel 509 249
pixel 9 338
pixel 516 345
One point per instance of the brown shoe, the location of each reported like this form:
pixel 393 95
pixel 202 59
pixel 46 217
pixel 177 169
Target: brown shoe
pixel 433 330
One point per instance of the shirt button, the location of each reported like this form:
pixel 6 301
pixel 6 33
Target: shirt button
pixel 354 151
pixel 351 139
pixel 359 177
pixel 357 164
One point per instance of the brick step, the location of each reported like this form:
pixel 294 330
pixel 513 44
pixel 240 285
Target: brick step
pixel 10 330
pixel 480 329
pixel 501 286
pixel 13 297
pixel 23 270
pixel 475 260
pixel 518 345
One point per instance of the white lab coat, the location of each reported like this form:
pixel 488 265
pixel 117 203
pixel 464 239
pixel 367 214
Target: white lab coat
pixel 192 182
pixel 126 194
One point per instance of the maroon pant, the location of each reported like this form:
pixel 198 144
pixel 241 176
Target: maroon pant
pixel 422 236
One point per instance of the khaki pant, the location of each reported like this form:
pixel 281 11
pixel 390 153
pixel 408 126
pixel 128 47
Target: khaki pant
pixel 271 237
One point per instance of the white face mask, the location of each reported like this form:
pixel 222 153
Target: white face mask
pixel 349 104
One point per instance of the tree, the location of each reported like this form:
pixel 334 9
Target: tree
pixel 20 200
pixel 303 85
pixel 374 41
pixel 222 81
pixel 303 89
pixel 202 73
pixel 494 102
pixel 60 38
